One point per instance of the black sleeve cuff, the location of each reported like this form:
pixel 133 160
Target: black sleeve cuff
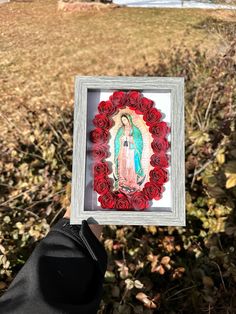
pixel 84 237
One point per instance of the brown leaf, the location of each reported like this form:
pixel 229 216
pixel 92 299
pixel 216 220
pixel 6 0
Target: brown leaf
pixel 157 297
pixel 124 272
pixel 208 282
pixel 141 296
pixel 138 284
pixel 146 301
pixel 119 263
pixel 165 260
pixel 231 182
pixel 129 284
pixel 108 244
pixel 178 272
pixel 160 269
pixel 3 285
pixel 115 291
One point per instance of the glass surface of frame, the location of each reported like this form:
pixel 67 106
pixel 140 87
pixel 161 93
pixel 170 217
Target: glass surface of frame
pixel 167 95
pixel 162 102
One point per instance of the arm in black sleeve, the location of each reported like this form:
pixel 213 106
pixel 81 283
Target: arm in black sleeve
pixel 64 274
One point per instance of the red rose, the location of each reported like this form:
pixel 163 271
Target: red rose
pixel 160 145
pixel 102 185
pixel 145 104
pixel 102 121
pixel 158 176
pixel 107 200
pixel 152 116
pixel 100 152
pixel 100 169
pixel 118 98
pixel 152 190
pixel 161 160
pixel 159 130
pixel 139 201
pixel 133 99
pixel 99 136
pixel 122 202
pixel 107 107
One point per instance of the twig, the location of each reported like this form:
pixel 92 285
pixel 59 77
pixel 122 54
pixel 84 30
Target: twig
pixel 180 291
pixel 209 308
pixel 9 122
pixel 45 199
pixel 222 280
pixel 124 295
pixel 31 213
pixel 126 290
pixel 37 202
pixel 195 105
pixel 29 154
pixel 57 214
pixel 3 184
pixel 170 289
pixel 56 133
pixel 208 109
pixel 53 130
pixel 196 172
pixel 198 120
pixel 218 236
pixel 27 211
pixel 60 158
pixel 179 297
pixel 18 195
pixel 64 124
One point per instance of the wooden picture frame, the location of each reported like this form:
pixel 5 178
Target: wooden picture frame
pixel 167 95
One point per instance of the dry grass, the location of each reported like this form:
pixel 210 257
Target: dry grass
pixel 41 49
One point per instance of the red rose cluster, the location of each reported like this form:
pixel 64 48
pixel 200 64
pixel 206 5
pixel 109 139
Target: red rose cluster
pixel 159 160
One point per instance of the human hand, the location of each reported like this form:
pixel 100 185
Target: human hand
pixel 96 228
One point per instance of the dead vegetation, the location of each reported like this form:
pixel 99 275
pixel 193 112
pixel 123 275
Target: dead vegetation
pixel 173 270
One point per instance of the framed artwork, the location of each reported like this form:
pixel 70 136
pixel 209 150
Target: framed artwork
pixel 128 151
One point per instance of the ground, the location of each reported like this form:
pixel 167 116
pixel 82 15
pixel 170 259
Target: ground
pixel 43 49
pixel 184 270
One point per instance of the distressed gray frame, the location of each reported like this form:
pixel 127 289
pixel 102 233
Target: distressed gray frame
pixel 176 216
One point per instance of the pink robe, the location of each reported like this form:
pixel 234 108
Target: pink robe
pixel 126 167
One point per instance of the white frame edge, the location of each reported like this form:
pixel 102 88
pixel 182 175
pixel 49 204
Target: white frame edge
pixel 177 216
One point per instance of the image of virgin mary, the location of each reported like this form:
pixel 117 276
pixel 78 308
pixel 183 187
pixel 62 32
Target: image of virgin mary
pixel 128 147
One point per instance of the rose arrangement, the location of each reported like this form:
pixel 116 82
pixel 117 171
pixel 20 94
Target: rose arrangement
pixel 99 136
